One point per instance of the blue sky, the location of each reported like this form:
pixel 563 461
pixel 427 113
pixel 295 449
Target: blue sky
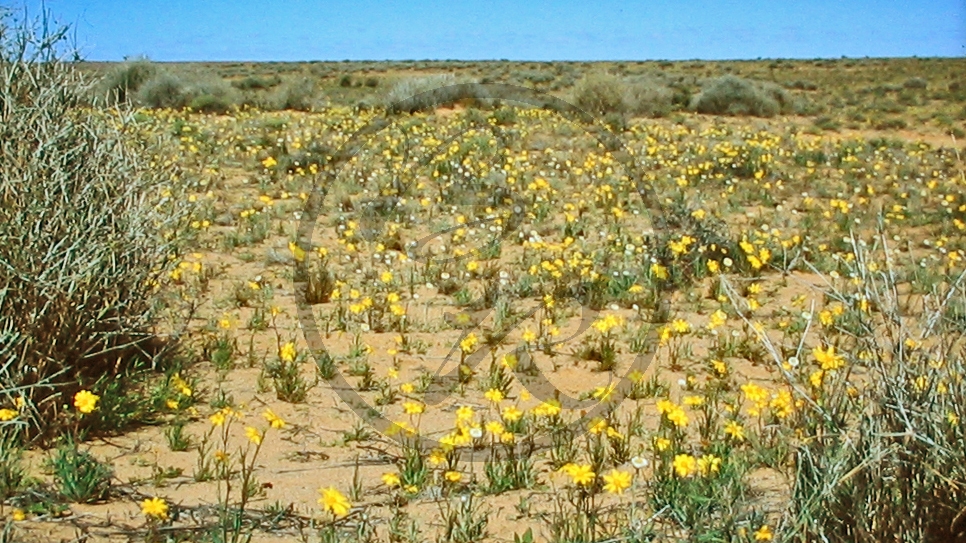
pixel 524 30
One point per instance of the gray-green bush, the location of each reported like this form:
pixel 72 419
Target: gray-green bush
pixel 731 95
pixel 124 80
pixel 648 97
pixel 206 95
pixel 427 92
pixel 82 228
pixel 163 91
pixel 298 95
pixel 601 93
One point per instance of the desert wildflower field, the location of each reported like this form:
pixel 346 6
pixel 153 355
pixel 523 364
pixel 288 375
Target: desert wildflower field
pixel 466 302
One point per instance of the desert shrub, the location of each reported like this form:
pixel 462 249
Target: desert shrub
pixel 803 85
pixel 123 81
pixel 211 103
pixel 428 92
pixel 605 93
pixel 786 102
pixel 257 83
pixel 827 123
pixel 167 90
pixel 163 91
pixel 731 95
pixel 648 97
pixel 915 83
pixel 600 93
pixel 891 123
pixel 533 76
pixel 296 95
pixel 211 95
pixel 81 231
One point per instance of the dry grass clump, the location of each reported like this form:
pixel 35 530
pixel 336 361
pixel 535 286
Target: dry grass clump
pixel 81 231
pixel 887 463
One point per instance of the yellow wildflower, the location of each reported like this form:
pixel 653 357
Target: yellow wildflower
pixel 86 401
pixel 155 508
pixel 334 502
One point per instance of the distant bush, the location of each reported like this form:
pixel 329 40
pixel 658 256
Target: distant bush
pixel 166 90
pixel 605 93
pixel 648 97
pixel 298 95
pixel 257 83
pixel 827 123
pixel 428 92
pixel 533 76
pixel 211 103
pixel 600 93
pixel 731 95
pixel 163 91
pixel 915 83
pixel 803 85
pixel 893 123
pixel 123 81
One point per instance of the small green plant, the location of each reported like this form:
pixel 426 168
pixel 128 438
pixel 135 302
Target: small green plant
pixel 286 375
pixel 79 476
pixel 12 472
pixel 463 520
pixel 511 470
pixel 177 439
pixel 319 283
pixel 220 351
pixel 325 365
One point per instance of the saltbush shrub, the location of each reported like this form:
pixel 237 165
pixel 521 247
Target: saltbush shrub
pixel 257 83
pixel 297 95
pixel 605 93
pixel 167 90
pixel 123 81
pixel 732 95
pixel 428 92
pixel 648 97
pixel 163 91
pixel 600 93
